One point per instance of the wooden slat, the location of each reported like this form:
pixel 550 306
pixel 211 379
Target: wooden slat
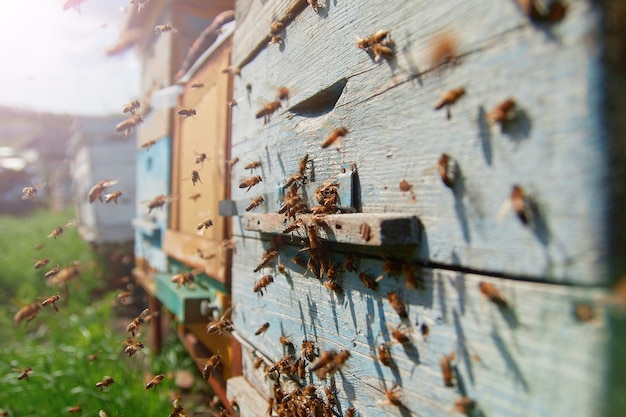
pixel 248 400
pixel 184 247
pixel 396 135
pixel 514 361
pixel 145 279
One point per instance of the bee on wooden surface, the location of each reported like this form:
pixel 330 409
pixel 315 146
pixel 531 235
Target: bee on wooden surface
pixel 232 70
pixel 93 357
pixel 75 409
pixel 285 341
pixel 185 112
pixel 28 312
pixel 502 112
pixel 160 29
pixel 222 325
pixel 131 107
pixel 350 261
pixel 299 260
pixel 542 11
pixel 276 27
pixel 520 204
pixel 366 232
pixel 51 301
pixel 368 280
pixel 112 197
pixel 333 286
pixel 302 164
pixel 129 124
pixel 309 350
pixel 196 86
pixel 132 347
pixel 392 397
pixel 282 365
pixel 106 381
pixel 210 366
pixel 268 110
pixel 295 178
pixel 384 354
pixel 252 165
pixel 148 144
pixel 97 191
pixel 382 50
pixel 491 292
pixel 448 170
pixel 41 263
pixel 405 186
pixel 232 162
pixel 250 182
pixel 256 202
pixel 448 98
pixel 257 362
pixel 401 336
pixel 325 359
pixel 134 326
pixel 204 226
pixel 464 405
pixel 315 5
pixel 24 373
pixel 443 49
pixel 336 135
pixel 266 259
pixel 314 240
pixel 397 304
pixel 30 193
pixel 351 412
pixel 445 363
pixel 372 40
pixel 262 284
pixel 425 330
pixel 195 196
pixel 262 329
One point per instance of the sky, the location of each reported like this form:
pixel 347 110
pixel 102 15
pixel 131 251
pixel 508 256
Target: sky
pixel 53 60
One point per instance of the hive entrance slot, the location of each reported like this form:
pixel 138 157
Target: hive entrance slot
pixel 321 102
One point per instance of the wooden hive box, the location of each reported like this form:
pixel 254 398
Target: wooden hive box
pixel 494 236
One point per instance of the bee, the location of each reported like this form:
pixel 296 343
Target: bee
pixel 541 11
pixel 268 110
pixel 134 326
pixel 443 50
pixel 58 231
pixel 337 362
pixel 372 40
pixel 257 362
pixel 232 162
pixel 448 170
pixel 250 182
pixel 102 413
pixel 520 205
pixel 195 177
pixel 231 70
pixel 252 165
pixel 351 412
pixel 196 86
pixel 129 124
pixel 203 226
pixel 464 405
pixel 178 410
pixel 445 363
pixel 185 113
pixel 368 280
pixel 113 197
pixel 314 241
pixel 335 135
pixel 276 39
pixel 366 232
pixel 265 260
pixel 106 381
pixel 222 325
pixel 262 284
pixel 397 304
pixel 401 336
pixel 164 29
pixel 75 409
pixel 41 263
pixel 24 373
pixel 384 355
pixel 195 196
pixel 148 144
pixel 256 202
pixel 158 202
pixel 282 93
pixel 262 329
pixel 200 157
pixel 448 98
pixel 381 50
pixel 204 256
pixel 276 27
pixel 297 177
pixel 183 279
pixel 348 264
pixel 131 107
pixel 132 347
pixel 315 5
pixel 232 103
pixel 303 163
pixel 93 357
pixel 392 397
pixel 155 381
pixel 333 286
pixel 51 301
pixel 64 275
pixel 210 366
pixel 502 112
pixel 405 187
pixel 30 193
pixel 299 260
pixel 97 191
pixel 28 312
pixel 491 292
pixel 52 272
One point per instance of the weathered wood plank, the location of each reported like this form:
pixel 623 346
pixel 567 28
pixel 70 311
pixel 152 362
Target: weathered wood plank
pixel 514 361
pixel 248 400
pixel 196 252
pixel 544 150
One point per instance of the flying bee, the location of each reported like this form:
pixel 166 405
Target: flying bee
pixel 132 347
pixel 266 259
pixel 93 357
pixel 448 98
pixel 335 135
pixel 384 354
pixel 148 144
pixel 368 280
pixel 315 5
pixel 131 107
pixel 203 226
pixel 97 191
pixel 200 157
pixel 443 49
pixel 252 165
pixel 140 4
pixel 158 202
pixel 106 381
pixel 113 197
pixel 491 292
pixel 72 4
pixel 28 312
pixel 51 301
pixel 268 110
pixel 262 329
pixel 185 113
pixel 282 93
pixel 338 361
pixel 392 397
pixel 30 193
pixel 129 124
pixel 262 284
pixel 195 177
pixel 502 112
pixel 58 231
pixel 75 409
pixel 232 162
pixel 445 363
pixel 285 341
pixel 155 381
pixel 424 330
pixel 195 196
pixel 222 325
pixel 123 295
pixel 210 366
pixel 160 29
pixel 256 202
pixel 24 373
pixel 196 86
pixel 136 323
pixel 250 182
pixel 397 304
pixel 41 263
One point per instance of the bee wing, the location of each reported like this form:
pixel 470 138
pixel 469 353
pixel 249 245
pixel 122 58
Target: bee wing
pixel 70 223
pixel 144 313
pixel 226 313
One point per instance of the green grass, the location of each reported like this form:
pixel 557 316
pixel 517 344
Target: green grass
pixel 57 345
